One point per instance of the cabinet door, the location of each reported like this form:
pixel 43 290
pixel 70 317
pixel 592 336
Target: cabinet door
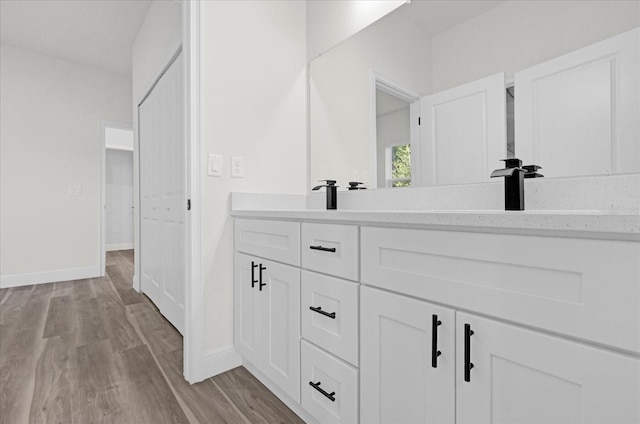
pixel 520 375
pixel 247 309
pixel 398 380
pixel 281 326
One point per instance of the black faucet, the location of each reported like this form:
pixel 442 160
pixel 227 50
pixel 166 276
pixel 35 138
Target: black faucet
pixel 514 174
pixel 353 185
pixel 332 193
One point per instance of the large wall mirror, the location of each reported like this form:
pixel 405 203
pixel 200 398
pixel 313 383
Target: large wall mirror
pixel 437 92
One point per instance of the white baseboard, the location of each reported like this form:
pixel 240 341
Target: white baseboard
pixel 273 388
pixel 17 280
pixel 217 362
pixel 119 246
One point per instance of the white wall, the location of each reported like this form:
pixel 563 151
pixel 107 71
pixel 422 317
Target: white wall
pixel 119 199
pixel 341 93
pixel 329 22
pixel 519 34
pixel 50 139
pixel 158 39
pixel 253 105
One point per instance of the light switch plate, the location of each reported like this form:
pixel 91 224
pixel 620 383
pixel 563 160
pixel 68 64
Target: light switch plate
pixel 237 166
pixel 75 190
pixel 214 168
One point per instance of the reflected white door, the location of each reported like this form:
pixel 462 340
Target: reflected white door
pixel 578 114
pixel 464 132
pixel 162 195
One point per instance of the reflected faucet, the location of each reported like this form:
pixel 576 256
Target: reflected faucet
pixel 514 174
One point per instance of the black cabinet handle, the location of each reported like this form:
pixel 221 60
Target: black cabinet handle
pixel 316 386
pixel 468 332
pixel 261 284
pixel 324 249
pixel 319 310
pixel 434 340
pixel 253 276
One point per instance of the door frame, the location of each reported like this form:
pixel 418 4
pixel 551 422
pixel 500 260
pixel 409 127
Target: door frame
pixel 193 327
pixel 194 296
pixel 389 86
pixel 103 187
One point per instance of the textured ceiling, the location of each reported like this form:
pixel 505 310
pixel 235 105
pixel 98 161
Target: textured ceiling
pixel 98 33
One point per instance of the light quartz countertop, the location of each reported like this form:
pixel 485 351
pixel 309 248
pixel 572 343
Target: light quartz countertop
pixel 597 207
pixel 580 224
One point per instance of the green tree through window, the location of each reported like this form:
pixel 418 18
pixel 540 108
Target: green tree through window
pixel 401 165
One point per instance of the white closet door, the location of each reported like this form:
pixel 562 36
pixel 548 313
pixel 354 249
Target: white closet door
pixel 162 192
pixel 578 114
pixel 463 132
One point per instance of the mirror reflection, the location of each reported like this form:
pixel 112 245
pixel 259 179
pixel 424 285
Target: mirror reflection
pixel 438 92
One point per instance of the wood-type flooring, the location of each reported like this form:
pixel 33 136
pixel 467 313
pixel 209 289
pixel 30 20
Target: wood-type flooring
pixel 96 351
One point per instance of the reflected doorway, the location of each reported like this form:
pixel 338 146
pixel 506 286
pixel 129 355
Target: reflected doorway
pixel 396 132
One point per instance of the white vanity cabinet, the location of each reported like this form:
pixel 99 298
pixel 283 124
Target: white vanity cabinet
pixel 329 309
pixel 407 361
pixel 267 301
pixel 376 324
pixel 268 319
pixel 522 375
pixel 487 372
pixel 502 372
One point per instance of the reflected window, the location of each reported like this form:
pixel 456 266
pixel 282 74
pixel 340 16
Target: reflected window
pixel 398 165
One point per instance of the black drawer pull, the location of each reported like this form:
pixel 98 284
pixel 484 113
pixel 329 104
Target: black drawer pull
pixel 324 249
pixel 253 275
pixel 434 341
pixel 319 310
pixel 468 332
pixel 316 386
pixel 261 285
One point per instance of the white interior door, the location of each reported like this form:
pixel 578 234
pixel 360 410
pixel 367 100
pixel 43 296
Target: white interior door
pixel 578 114
pixel 463 133
pixel 162 195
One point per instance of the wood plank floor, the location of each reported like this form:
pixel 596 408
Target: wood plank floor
pixel 97 351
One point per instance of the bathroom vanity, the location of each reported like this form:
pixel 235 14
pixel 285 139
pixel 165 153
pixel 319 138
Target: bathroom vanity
pixel 440 316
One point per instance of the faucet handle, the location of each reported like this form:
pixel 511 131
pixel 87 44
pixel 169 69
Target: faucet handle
pixel 531 171
pixel 353 185
pixel 512 163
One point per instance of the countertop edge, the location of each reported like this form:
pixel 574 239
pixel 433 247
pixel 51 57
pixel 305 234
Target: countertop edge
pixel 587 225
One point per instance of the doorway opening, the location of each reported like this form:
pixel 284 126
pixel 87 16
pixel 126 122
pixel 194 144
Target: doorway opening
pixel 117 200
pixel 395 135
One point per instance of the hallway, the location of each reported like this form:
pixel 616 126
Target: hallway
pixel 97 351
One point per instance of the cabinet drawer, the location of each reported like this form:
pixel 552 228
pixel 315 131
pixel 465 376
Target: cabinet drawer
pixel 337 379
pixel 584 288
pixel 333 322
pixel 330 249
pixel 276 240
